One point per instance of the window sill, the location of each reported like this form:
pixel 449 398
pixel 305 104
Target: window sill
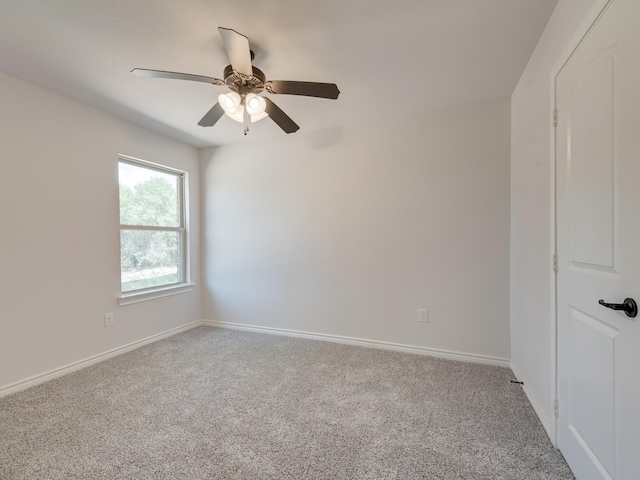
pixel 137 297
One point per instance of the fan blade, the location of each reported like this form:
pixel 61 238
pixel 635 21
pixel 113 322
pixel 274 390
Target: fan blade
pixel 143 72
pixel 307 89
pixel 237 47
pixel 282 119
pixel 212 116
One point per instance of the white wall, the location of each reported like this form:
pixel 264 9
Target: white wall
pixel 59 233
pixel 349 231
pixel 531 320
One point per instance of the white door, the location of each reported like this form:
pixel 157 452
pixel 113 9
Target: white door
pixel 598 235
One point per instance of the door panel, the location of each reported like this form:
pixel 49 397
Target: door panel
pixel 591 164
pixel 592 377
pixel 598 246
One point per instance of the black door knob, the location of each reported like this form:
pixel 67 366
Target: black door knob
pixel 629 306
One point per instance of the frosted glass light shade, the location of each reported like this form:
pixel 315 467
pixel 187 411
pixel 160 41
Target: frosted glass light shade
pixel 255 105
pixel 229 102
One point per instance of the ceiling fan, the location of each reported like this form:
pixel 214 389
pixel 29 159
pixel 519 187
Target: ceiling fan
pixel 243 103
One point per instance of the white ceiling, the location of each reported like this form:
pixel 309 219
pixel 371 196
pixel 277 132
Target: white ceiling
pixel 390 59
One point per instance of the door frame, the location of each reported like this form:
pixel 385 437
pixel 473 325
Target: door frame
pixel 597 10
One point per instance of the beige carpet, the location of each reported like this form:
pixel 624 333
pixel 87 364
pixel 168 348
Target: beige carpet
pixel 222 404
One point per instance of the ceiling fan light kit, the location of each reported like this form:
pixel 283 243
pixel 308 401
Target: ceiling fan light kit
pixel 234 106
pixel 243 104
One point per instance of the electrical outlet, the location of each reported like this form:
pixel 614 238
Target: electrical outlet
pixel 423 315
pixel 108 319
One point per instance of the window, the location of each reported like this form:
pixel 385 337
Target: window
pixel 152 226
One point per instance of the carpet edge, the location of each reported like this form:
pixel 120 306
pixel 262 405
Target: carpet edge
pixel 398 347
pixel 87 362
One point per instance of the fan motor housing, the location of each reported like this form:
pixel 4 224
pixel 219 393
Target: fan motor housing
pixel 257 80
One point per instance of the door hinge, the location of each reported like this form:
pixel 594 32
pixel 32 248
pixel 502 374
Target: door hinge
pixel 555 407
pixel 555 117
pixel 555 262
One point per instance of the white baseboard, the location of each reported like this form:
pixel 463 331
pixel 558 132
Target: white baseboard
pixel 534 403
pixel 72 367
pixel 432 352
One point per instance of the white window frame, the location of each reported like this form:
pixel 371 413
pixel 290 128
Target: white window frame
pixel 183 285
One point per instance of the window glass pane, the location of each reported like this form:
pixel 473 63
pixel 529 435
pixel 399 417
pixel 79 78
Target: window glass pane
pixel 148 197
pixel 149 258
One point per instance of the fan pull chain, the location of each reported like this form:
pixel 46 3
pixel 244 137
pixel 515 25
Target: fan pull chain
pixel 247 120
